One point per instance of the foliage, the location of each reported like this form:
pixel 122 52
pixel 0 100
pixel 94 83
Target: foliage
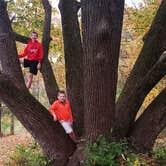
pixel 28 16
pixel 5 125
pixel 104 153
pixel 160 155
pixel 134 160
pixel 136 24
pixel 28 156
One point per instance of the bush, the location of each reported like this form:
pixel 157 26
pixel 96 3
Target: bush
pixel 27 156
pixel 160 156
pixel 103 153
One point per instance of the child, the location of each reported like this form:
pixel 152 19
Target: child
pixel 34 53
pixel 61 111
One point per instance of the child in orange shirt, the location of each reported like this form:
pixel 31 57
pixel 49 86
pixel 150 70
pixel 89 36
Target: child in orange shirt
pixel 61 111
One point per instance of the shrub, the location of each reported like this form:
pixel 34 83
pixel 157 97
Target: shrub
pixel 27 156
pixel 160 156
pixel 104 153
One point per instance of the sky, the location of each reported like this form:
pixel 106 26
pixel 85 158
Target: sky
pixel 132 2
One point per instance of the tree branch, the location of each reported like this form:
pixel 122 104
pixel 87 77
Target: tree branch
pixel 48 75
pixel 133 102
pixel 20 38
pixel 153 47
pixel 73 60
pixel 146 129
pixel 37 120
pixel 77 5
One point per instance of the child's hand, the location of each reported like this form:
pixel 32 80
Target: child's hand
pixel 55 118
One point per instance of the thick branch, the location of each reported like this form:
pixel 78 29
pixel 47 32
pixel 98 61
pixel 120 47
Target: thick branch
pixel 154 45
pixel 36 120
pixel 73 60
pixel 20 38
pixel 150 124
pixel 48 75
pixel 132 102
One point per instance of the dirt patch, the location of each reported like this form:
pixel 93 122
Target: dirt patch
pixel 8 144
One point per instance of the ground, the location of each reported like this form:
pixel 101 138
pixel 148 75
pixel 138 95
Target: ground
pixel 8 144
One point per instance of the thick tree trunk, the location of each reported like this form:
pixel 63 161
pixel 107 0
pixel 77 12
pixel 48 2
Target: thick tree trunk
pixel 48 75
pixel 23 105
pixel 102 24
pixel 154 45
pixel 37 121
pixel 73 60
pixel 132 103
pixel 150 124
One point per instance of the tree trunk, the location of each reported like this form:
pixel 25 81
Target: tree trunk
pixel 12 125
pixel 101 42
pixel 51 85
pixel 37 121
pixel 8 47
pixel 23 105
pixel 154 45
pixel 73 60
pixel 150 124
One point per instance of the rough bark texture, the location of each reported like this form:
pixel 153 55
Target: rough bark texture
pixel 36 120
pixel 154 45
pixel 150 124
pixel 48 75
pixel 102 24
pixel 73 60
pixel 23 105
pixel 133 102
pixel 8 47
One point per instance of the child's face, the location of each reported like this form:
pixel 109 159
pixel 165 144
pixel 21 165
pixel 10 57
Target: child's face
pixel 33 36
pixel 61 97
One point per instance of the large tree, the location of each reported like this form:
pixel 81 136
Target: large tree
pixel 91 76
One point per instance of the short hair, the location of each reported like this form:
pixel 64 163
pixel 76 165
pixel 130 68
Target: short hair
pixel 61 91
pixel 34 32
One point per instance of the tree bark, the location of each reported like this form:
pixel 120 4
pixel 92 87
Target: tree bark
pixel 12 124
pixel 8 49
pixel 36 120
pixel 20 38
pixel 132 103
pixel 51 85
pixel 101 42
pixel 23 105
pixel 150 124
pixel 154 45
pixel 73 60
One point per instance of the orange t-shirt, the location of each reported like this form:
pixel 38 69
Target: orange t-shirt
pixel 62 111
